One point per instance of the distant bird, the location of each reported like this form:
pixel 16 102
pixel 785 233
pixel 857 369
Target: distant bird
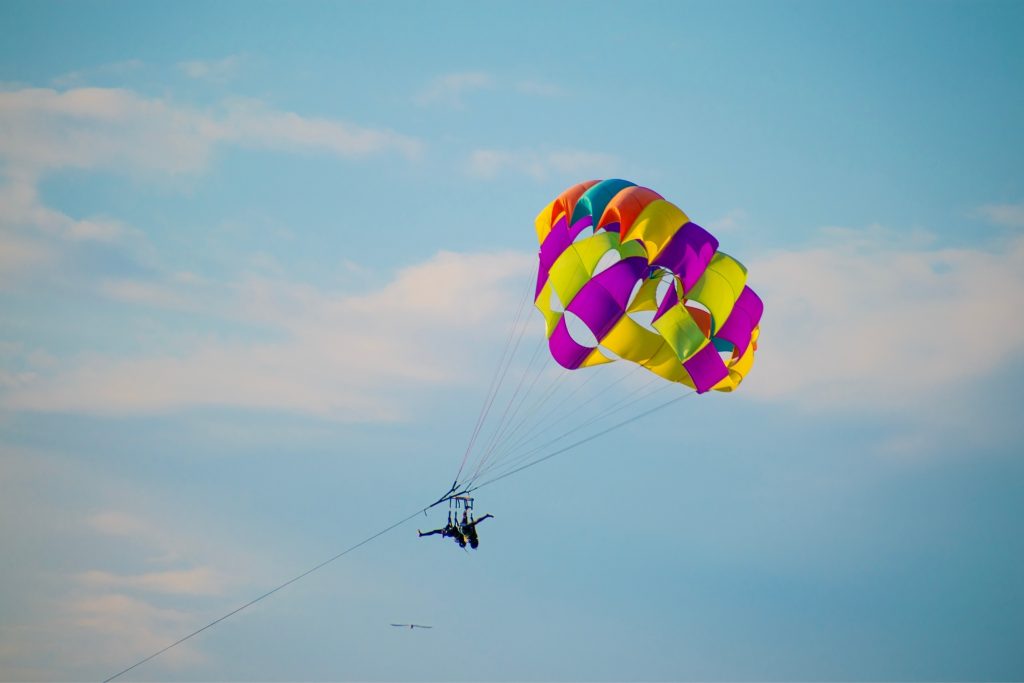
pixel 411 626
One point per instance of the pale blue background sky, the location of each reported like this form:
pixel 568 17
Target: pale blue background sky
pixel 256 264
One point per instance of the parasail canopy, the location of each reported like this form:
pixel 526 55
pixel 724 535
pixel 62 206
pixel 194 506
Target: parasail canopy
pixel 625 274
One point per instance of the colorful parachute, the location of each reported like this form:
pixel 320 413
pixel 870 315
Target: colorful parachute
pixel 625 273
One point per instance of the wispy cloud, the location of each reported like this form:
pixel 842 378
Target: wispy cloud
pixel 22 254
pixel 869 321
pixel 449 89
pixel 114 624
pixel 196 581
pixel 214 71
pixel 92 632
pixel 540 164
pixel 78 77
pixel 146 293
pixel 98 607
pixel 43 129
pixel 349 358
pixel 1007 215
pixel 41 244
pixel 116 523
pixel 21 206
pixel 249 123
pixel 732 221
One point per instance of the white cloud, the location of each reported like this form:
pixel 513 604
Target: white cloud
pixel 872 323
pixel 21 254
pixel 349 358
pixel 732 221
pixel 1007 215
pixel 214 71
pixel 115 523
pixel 196 581
pixel 78 602
pixel 164 546
pixel 20 207
pixel 151 294
pixel 36 240
pixel 113 69
pixel 449 89
pixel 250 124
pixel 43 129
pixel 114 624
pixel 540 165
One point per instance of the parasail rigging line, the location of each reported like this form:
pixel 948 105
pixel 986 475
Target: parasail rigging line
pixel 496 381
pixel 502 441
pixel 552 389
pixel 453 492
pixel 498 376
pixel 608 412
pixel 547 423
pixel 505 416
pixel 615 426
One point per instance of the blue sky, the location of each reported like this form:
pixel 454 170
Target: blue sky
pixel 258 260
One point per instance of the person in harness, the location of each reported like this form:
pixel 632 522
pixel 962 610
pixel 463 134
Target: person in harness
pixel 449 530
pixel 468 528
pixel 463 532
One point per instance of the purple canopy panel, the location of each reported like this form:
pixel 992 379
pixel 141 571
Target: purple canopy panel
pixel 596 308
pixel 745 316
pixel 553 245
pixel 602 301
pixel 706 368
pixel 564 348
pixel 620 278
pixel 688 253
pixel 557 241
pixel 670 300
pixel 750 301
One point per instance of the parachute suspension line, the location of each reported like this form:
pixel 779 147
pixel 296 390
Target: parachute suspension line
pixel 601 433
pixel 614 409
pixel 519 451
pixel 496 380
pixel 554 385
pixel 506 418
pixel 495 384
pixel 609 411
pixel 527 372
pixel 548 422
pixel 505 372
pixel 557 389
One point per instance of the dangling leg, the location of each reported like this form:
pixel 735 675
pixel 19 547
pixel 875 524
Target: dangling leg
pixel 430 533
